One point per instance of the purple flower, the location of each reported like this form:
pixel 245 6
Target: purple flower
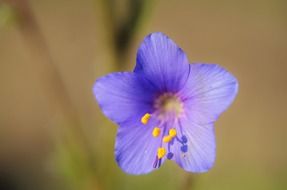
pixel 165 108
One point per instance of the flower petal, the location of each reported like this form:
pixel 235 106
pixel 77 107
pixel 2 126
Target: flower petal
pixel 162 62
pixel 209 90
pixel 122 96
pixel 136 148
pixel 198 154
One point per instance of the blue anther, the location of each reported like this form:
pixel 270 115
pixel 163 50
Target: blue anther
pixel 169 155
pixel 184 139
pixel 183 148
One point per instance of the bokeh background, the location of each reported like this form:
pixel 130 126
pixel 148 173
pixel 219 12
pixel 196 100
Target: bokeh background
pixel 52 133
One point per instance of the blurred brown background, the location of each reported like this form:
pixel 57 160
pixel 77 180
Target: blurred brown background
pixel 41 142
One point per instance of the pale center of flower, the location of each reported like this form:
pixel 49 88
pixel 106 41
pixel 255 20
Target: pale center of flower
pixel 168 105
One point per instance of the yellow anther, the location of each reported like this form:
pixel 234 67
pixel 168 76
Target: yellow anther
pixel 172 132
pixel 167 138
pixel 156 132
pixel 160 152
pixel 145 118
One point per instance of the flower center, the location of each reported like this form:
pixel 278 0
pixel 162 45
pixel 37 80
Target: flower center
pixel 168 104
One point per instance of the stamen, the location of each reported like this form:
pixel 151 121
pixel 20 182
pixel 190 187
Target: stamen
pixel 145 118
pixel 156 132
pixel 179 140
pixel 183 148
pixel 184 139
pixel 159 163
pixel 160 152
pixel 167 138
pixel 169 155
pixel 155 163
pixel 172 132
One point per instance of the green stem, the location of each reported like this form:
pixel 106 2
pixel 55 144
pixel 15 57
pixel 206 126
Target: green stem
pixel 122 32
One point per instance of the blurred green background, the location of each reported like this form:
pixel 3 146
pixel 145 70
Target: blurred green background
pixel 52 133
